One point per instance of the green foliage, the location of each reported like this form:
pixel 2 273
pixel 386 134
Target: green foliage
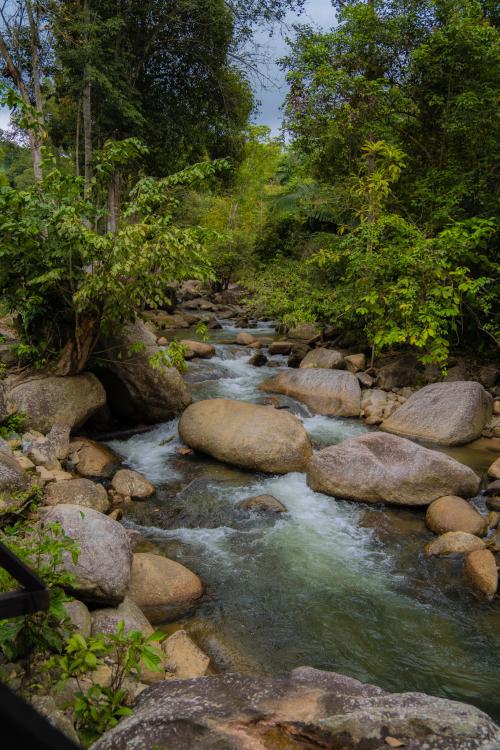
pixel 99 708
pixel 12 425
pixel 44 549
pixel 174 355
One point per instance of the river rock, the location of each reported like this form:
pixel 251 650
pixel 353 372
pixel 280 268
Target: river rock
pixel 266 503
pixel 184 659
pixel 78 491
pixel 245 339
pixel 398 374
pixel 162 588
pixel 355 362
pixel 56 400
pixel 131 483
pixel 481 570
pixel 328 359
pixel 281 347
pixel 92 459
pixel 102 572
pixel 454 542
pixel 450 513
pixel 258 360
pixel 494 470
pixel 79 616
pixel 330 392
pixel 12 477
pixel 378 467
pixel 305 332
pixel 137 391
pixel 198 349
pixel 247 435
pixel 305 708
pixel 443 413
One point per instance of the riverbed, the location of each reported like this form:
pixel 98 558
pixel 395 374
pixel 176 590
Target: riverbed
pixel 330 584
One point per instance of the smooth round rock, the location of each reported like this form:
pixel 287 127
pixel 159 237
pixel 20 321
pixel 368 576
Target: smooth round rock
pixel 264 503
pixel 328 359
pixel 481 570
pixel 131 483
pixel 245 339
pixel 335 393
pixel 494 470
pixel 77 491
pixel 451 513
pixel 162 588
pixel 79 616
pixel 454 542
pixel 198 349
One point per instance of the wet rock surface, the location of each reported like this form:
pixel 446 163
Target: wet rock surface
pixel 329 392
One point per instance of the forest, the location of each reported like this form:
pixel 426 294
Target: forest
pixel 160 245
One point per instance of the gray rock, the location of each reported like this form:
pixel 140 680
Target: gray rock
pixel 107 620
pixel 56 400
pixel 46 705
pixel 12 477
pixel 247 435
pixel 328 359
pixel 102 572
pixel 379 467
pixel 331 392
pixel 78 491
pixel 79 615
pixel 138 392
pixel 398 374
pixel 443 413
pixel 131 483
pixel 306 708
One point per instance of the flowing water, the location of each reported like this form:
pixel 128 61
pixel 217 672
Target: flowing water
pixel 330 584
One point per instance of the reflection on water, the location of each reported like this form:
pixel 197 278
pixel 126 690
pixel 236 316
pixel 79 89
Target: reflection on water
pixel 331 584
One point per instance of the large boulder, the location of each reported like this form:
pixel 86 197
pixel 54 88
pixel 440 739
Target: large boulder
pixel 78 491
pixel 454 543
pixel 332 392
pixel 138 391
pixel 47 401
pixel 451 513
pixel 328 359
pixel 247 435
pixel 102 571
pixel 306 708
pixel 378 467
pixel 12 477
pixel 443 413
pixel 163 589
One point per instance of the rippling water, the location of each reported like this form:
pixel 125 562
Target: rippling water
pixel 330 584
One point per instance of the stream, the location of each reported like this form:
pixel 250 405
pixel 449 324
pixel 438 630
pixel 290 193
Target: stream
pixel 330 584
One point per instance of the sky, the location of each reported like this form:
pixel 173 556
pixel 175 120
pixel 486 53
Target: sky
pixel 317 13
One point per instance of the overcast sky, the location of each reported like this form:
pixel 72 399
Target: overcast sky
pixel 317 13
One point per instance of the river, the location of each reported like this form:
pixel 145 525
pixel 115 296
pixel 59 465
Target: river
pixel 330 584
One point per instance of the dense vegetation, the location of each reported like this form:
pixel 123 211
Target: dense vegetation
pixel 378 216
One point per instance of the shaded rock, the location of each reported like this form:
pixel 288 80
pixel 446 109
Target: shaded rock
pixel 102 572
pixel 494 470
pixel 373 405
pixel 185 659
pixel 258 359
pixel 77 492
pixel 137 391
pixel 198 349
pixel 162 588
pixel 247 435
pixel 355 362
pixel 398 374
pixel 133 484
pixel 305 332
pixel 297 354
pixel 379 467
pixel 245 339
pixel 266 503
pixel 481 570
pixel 450 513
pixel 444 413
pixel 328 359
pixel 454 542
pixel 79 616
pixel 92 459
pixel 52 400
pixel 12 477
pixel 46 705
pixel 330 392
pixel 281 347
pixel 365 379
pixel 304 709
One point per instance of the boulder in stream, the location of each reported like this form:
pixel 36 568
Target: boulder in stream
pixel 378 467
pixel 451 513
pixel 443 413
pixel 454 543
pixel 77 491
pixel 262 503
pixel 335 393
pixel 328 359
pixel 481 570
pixel 305 708
pixel 247 435
pixel 131 483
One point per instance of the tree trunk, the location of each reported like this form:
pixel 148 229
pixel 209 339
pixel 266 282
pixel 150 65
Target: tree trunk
pixel 74 356
pixel 113 201
pixel 87 112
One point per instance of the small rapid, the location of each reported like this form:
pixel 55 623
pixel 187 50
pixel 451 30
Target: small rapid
pixel 330 584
